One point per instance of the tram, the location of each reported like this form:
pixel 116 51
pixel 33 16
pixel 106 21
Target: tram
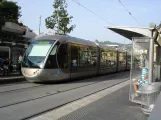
pixel 58 57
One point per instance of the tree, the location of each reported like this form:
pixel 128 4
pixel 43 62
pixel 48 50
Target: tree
pixel 60 19
pixel 9 12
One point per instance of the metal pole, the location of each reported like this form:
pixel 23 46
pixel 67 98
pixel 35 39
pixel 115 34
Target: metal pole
pixel 124 44
pixel 151 58
pixel 158 62
pixel 40 24
pixel 58 19
pixel 9 53
pixel 131 69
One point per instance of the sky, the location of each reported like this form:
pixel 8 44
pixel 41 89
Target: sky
pixel 90 26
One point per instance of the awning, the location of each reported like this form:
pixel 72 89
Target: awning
pixel 13 27
pixel 130 32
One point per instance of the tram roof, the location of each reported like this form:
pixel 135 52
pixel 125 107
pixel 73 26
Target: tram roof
pixel 104 46
pixel 67 38
pixel 130 32
pixel 74 40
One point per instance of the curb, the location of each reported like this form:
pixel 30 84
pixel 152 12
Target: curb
pixel 12 79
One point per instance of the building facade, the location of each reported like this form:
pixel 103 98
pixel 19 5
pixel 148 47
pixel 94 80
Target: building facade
pixel 14 39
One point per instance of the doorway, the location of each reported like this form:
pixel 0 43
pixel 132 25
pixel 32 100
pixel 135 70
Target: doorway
pixel 62 57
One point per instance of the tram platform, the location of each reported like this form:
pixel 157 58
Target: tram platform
pixel 115 106
pixel 12 77
pixel 155 115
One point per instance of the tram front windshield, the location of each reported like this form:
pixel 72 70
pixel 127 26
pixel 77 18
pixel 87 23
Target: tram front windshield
pixel 36 53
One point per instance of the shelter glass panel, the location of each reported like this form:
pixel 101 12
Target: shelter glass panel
pixel 139 68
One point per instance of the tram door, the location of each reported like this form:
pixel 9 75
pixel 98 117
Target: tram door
pixel 74 63
pixel 57 62
pixel 62 58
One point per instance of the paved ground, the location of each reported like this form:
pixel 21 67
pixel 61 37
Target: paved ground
pixel 13 77
pixel 24 100
pixel 115 106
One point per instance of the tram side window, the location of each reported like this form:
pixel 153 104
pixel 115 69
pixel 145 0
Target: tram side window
pixel 128 59
pixel 62 56
pixel 84 58
pixel 104 59
pixel 51 61
pixel 93 56
pixel 111 58
pixel 115 58
pixel 125 58
pixel 122 58
pixel 74 56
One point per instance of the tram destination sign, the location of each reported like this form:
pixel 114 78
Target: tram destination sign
pixel 44 42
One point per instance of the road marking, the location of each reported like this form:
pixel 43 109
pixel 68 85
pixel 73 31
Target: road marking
pixel 71 107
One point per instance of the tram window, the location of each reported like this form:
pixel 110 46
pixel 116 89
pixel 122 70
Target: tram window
pixel 122 58
pixel 74 56
pixel 53 52
pixel 104 59
pixel 91 56
pixel 39 50
pixel 115 58
pixel 108 58
pixel 51 61
pixel 62 56
pixel 128 59
pixel 111 58
pixel 84 57
pixel 58 57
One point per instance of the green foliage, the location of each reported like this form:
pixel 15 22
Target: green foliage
pixel 60 18
pixel 9 12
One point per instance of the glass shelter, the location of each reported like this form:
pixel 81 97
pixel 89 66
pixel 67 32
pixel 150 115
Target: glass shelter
pixel 145 65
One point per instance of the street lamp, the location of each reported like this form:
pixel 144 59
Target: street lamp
pixel 40 24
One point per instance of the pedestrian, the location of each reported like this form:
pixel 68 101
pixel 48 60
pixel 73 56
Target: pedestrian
pixel 144 78
pixel 19 62
pixel 1 66
pixel 6 66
